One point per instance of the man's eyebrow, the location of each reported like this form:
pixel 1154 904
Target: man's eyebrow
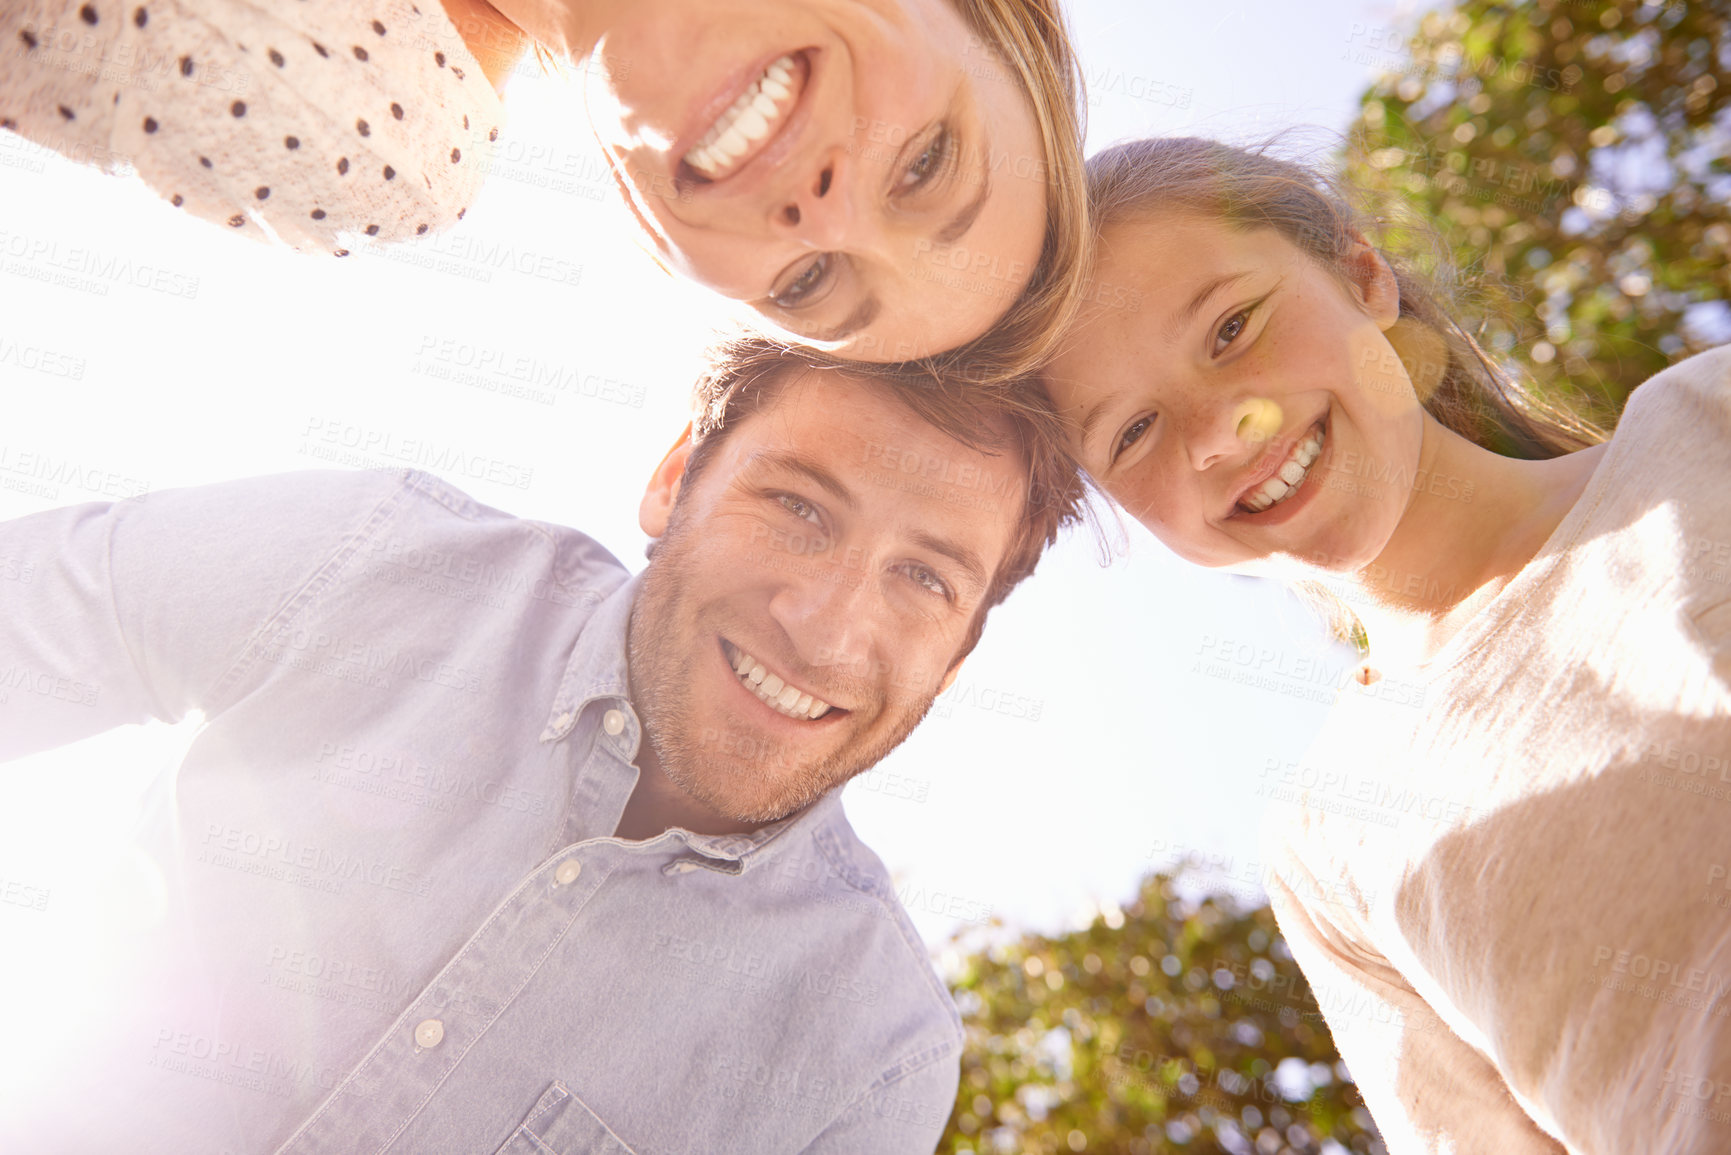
pixel 862 316
pixel 789 462
pixel 1182 318
pixel 960 554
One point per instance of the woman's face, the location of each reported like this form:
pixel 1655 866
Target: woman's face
pixel 885 191
pixel 1237 398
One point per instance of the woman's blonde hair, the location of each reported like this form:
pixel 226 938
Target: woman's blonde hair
pixel 1029 37
pixel 1457 382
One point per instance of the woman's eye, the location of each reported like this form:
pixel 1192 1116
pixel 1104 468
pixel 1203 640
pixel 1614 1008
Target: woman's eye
pixel 804 286
pixel 1232 329
pixel 928 164
pixel 926 579
pixel 1132 435
pixel 800 508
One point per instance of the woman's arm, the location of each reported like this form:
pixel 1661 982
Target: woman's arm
pixel 495 43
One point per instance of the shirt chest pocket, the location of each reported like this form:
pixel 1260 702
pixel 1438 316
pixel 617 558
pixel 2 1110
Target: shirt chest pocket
pixel 561 1124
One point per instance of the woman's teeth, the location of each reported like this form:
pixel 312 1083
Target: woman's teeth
pixel 752 117
pixel 771 690
pixel 1285 480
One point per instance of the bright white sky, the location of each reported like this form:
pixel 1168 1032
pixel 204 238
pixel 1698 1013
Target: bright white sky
pixel 228 353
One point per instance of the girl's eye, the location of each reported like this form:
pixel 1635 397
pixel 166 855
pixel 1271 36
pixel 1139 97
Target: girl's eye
pixel 926 579
pixel 1233 329
pixel 803 287
pixel 931 161
pixel 800 508
pixel 1132 435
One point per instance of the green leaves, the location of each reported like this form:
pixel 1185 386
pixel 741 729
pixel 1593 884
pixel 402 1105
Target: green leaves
pixel 1575 160
pixel 1184 1027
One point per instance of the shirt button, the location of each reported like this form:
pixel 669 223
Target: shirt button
pixel 430 1033
pixel 613 721
pixel 568 872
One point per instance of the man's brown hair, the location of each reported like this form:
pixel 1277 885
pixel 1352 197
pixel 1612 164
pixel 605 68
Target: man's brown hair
pixel 748 371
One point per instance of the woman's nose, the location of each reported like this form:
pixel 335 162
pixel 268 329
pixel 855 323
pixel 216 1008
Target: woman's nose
pixel 819 209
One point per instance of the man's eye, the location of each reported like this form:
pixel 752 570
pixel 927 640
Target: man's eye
pixel 805 286
pixel 928 164
pixel 926 579
pixel 1233 328
pixel 800 508
pixel 1132 435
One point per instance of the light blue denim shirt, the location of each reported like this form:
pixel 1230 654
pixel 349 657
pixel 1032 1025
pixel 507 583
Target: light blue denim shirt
pixel 393 914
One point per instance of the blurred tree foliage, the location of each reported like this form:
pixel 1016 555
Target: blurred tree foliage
pixel 1573 156
pixel 1170 1025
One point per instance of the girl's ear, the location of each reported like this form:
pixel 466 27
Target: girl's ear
pixel 656 509
pixel 1373 282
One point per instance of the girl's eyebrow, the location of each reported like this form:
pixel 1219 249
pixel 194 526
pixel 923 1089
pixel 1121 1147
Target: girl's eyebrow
pixel 1093 415
pixel 1182 318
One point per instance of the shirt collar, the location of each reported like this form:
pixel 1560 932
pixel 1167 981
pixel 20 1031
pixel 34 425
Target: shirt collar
pixel 597 668
pixel 737 853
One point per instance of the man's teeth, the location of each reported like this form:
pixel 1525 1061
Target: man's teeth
pixel 1285 480
pixel 751 118
pixel 772 691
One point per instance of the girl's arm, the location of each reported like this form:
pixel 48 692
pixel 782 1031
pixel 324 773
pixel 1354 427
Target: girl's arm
pixel 1427 1089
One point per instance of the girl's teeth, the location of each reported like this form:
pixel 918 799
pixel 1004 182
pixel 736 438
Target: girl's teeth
pixel 1271 492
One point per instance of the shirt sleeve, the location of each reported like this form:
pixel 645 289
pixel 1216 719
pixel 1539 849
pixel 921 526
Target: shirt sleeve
pixel 152 607
pixel 904 1115
pixel 1427 1089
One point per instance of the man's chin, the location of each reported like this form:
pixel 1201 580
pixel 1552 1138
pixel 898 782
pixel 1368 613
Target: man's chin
pixel 734 792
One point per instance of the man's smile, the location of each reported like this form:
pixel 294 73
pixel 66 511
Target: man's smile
pixel 772 689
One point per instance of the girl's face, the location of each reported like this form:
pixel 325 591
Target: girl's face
pixel 886 191
pixel 1237 398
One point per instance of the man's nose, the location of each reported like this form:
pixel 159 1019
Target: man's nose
pixel 1219 429
pixel 819 209
pixel 830 616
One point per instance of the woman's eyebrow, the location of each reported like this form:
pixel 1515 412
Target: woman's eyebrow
pixel 862 316
pixel 964 220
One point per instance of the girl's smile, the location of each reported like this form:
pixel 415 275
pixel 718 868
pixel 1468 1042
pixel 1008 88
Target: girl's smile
pixel 1214 411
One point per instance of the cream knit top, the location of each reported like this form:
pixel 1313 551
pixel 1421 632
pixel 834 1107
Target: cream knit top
pixel 1507 871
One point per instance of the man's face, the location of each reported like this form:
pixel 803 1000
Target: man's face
pixel 811 592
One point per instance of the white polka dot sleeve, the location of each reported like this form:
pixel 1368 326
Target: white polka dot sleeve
pixel 297 121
